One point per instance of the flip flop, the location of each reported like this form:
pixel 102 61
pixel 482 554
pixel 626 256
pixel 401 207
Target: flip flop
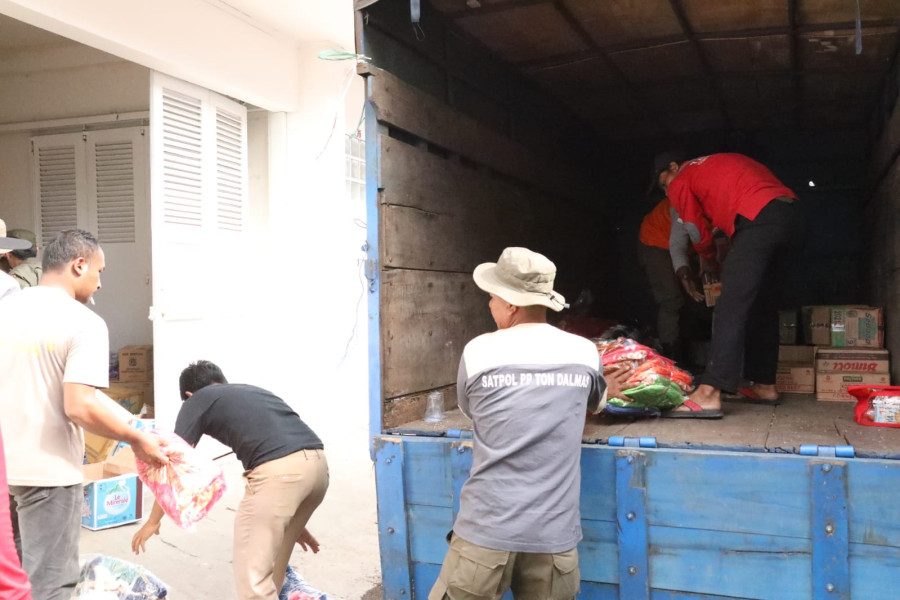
pixel 695 412
pixel 748 396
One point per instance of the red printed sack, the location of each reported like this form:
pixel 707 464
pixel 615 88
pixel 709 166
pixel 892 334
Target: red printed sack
pixel 188 486
pixel 876 405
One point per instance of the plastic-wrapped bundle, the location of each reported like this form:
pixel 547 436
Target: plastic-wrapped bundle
pixel 186 488
pixel 295 588
pixel 876 405
pixel 108 578
pixel 654 382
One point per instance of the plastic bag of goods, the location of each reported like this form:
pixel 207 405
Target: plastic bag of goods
pixel 295 588
pixel 186 488
pixel 654 383
pixel 876 405
pixel 108 578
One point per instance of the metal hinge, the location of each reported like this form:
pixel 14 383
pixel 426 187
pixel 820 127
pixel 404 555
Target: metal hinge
pixel 631 442
pixel 827 451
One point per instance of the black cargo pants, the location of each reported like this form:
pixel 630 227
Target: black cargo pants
pixel 745 320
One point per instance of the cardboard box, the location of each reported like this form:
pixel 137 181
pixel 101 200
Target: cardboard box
pixel 853 360
pixel 787 327
pixel 833 386
pixel 128 396
pixel 136 364
pixel 113 494
pixel 794 379
pixel 857 327
pixel 796 369
pixel 141 425
pixel 96 448
pixel 843 325
pixel 711 292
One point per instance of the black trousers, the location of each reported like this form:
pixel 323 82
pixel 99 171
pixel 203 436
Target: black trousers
pixel 745 320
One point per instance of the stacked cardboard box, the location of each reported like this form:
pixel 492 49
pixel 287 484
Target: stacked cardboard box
pixel 135 384
pixel 787 327
pixel 849 341
pixel 838 368
pixel 96 448
pixel 796 369
pixel 843 326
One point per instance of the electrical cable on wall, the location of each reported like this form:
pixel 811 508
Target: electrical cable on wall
pixel 362 292
pixel 339 55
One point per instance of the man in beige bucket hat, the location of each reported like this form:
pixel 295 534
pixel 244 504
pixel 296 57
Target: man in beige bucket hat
pixel 526 387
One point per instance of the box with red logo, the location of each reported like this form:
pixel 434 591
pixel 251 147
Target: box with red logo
pixel 853 360
pixel 113 494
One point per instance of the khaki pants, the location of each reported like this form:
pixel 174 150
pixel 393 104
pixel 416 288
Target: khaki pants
pixel 279 498
pixel 472 572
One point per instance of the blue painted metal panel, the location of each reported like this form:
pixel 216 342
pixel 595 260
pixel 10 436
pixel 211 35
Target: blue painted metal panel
pixel 373 186
pixel 830 531
pixel 460 466
pixel 427 471
pixel 874 512
pixel 631 514
pixel 726 491
pixel 734 565
pixel 598 476
pixel 424 576
pixel 598 552
pixel 693 555
pixel 428 528
pixel 598 591
pixel 875 571
pixel 392 519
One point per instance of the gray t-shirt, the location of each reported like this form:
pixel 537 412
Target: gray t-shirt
pixel 527 390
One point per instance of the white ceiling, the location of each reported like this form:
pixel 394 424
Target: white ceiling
pixel 16 34
pixel 293 21
pixel 296 20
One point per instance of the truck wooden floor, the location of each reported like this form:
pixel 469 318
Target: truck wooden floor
pixel 800 419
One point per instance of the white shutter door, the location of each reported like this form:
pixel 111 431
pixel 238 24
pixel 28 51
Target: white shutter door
pixel 198 207
pixel 118 213
pixel 58 177
pixel 231 168
pixel 113 175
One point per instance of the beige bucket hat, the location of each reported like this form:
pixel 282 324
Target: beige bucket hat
pixel 522 278
pixel 8 244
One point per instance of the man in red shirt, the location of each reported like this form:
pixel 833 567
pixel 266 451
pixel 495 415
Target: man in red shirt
pixel 744 200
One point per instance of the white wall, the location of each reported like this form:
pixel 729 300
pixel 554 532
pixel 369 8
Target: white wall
pixel 59 81
pixel 315 312
pixel 66 80
pixel 16 207
pixel 305 334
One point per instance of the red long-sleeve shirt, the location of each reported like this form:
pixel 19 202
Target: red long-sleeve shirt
pixel 711 191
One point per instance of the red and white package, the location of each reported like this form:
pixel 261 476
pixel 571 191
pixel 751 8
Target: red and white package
pixel 186 488
pixel 876 405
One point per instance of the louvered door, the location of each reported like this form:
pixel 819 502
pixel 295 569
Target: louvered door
pixel 198 215
pixel 97 180
pixel 58 182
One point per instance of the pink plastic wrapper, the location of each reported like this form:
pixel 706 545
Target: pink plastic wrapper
pixel 186 488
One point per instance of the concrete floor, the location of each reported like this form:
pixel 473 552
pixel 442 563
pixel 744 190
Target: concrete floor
pixel 196 565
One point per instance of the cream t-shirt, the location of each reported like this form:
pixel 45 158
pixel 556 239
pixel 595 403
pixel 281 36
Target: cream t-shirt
pixel 48 338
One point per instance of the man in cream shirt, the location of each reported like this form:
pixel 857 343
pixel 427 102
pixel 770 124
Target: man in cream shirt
pixel 53 356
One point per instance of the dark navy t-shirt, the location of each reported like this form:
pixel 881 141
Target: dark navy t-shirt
pixel 255 423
